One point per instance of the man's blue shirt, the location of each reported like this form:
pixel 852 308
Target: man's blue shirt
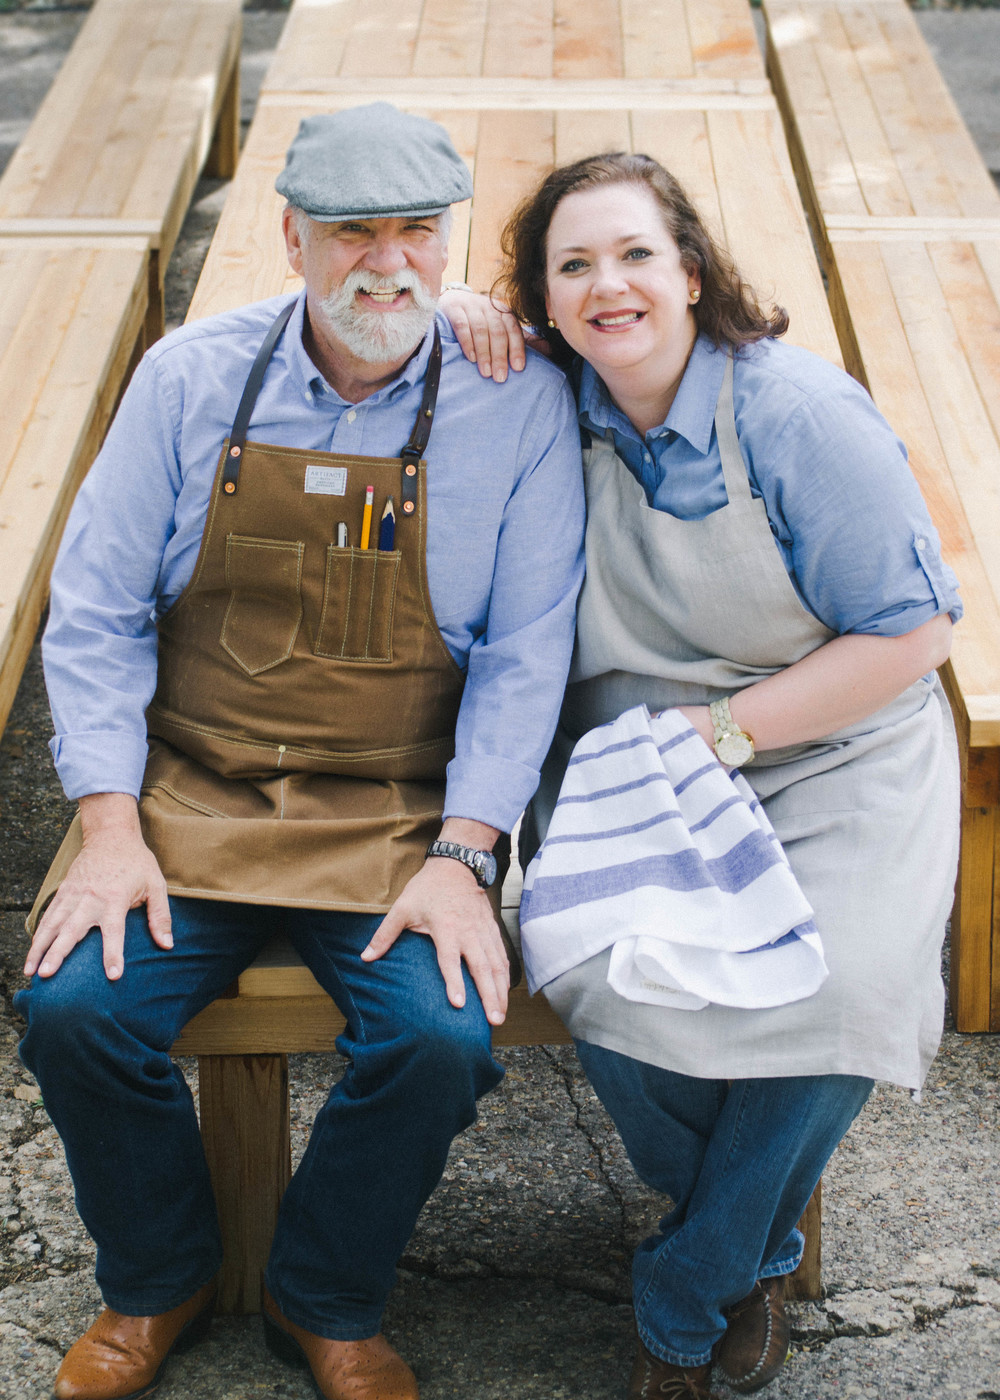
pixel 504 541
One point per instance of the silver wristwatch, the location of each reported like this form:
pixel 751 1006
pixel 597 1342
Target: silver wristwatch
pixel 483 864
pixel 733 745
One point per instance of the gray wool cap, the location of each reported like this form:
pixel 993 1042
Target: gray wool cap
pixel 372 162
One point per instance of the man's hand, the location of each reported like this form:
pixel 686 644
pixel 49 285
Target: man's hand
pixel 115 872
pixel 444 901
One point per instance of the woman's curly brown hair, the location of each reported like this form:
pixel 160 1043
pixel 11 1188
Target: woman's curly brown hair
pixel 728 311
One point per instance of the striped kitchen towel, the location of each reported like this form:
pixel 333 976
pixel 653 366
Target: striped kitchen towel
pixel 655 849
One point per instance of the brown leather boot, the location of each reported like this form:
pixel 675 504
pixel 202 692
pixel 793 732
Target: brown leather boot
pixel 365 1370
pixel 653 1379
pixel 755 1344
pixel 122 1357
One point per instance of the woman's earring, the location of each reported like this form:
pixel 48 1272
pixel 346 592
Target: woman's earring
pixel 695 295
pixel 553 324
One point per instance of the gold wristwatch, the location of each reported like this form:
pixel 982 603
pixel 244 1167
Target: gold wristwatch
pixel 733 745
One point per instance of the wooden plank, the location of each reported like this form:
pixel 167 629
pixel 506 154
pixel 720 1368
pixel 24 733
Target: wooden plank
pixel 764 225
pixel 655 39
pixel 679 141
pixel 245 1129
pixel 451 38
pixel 902 113
pixel 514 152
pixel 974 925
pixel 382 40
pixel 883 359
pixel 247 261
pixel 74 231
pixel 962 422
pixel 301 1024
pixel 969 277
pixel 588 39
pixel 723 39
pixel 585 133
pixel 520 39
pixel 530 94
pixel 941 124
pixel 806 1283
pixel 314 39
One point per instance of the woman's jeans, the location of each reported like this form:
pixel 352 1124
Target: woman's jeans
pixel 100 1051
pixel 739 1160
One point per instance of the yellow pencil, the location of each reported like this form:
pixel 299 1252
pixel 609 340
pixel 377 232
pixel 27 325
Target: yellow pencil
pixel 366 519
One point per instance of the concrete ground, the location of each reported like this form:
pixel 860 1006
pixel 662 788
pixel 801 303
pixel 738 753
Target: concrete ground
pixel 515 1284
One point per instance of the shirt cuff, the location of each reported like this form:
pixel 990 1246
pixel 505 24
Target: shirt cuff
pixel 494 791
pixel 99 761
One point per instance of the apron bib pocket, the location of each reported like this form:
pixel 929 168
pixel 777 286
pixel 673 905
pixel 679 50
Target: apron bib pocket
pixel 358 600
pixel 265 604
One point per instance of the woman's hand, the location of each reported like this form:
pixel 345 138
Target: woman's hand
pixel 489 334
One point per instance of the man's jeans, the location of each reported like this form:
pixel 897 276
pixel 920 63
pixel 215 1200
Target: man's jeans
pixel 416 1066
pixel 740 1161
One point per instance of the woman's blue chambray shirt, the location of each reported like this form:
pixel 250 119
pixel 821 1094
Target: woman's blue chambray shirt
pixel 845 510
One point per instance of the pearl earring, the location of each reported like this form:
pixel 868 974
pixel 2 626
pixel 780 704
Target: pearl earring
pixel 553 324
pixel 695 295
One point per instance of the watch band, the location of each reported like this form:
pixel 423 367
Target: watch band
pixel 733 746
pixel 483 864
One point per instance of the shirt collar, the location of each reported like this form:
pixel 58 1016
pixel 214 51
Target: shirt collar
pixel 310 377
pixel 692 413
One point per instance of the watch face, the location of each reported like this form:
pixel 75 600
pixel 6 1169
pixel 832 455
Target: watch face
pixel 734 750
pixel 486 866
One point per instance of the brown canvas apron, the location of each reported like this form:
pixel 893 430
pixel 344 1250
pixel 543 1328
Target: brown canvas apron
pixel 306 701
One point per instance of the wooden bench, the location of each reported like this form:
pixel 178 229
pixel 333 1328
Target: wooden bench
pixel 907 220
pixel 71 312
pixel 92 198
pixel 519 87
pixel 147 96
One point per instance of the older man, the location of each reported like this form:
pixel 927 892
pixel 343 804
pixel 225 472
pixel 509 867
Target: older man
pixel 310 625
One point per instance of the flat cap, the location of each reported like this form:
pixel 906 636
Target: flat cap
pixel 372 162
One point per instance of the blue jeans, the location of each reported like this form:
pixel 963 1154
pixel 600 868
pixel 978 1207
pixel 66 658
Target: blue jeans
pixel 100 1052
pixel 739 1160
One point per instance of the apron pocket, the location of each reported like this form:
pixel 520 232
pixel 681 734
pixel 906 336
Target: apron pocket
pixel 358 601
pixel 265 605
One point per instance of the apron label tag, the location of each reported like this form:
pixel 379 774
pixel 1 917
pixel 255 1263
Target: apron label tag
pixel 326 481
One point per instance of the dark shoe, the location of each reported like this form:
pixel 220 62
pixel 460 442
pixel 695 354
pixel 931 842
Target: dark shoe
pixel 653 1379
pixel 755 1345
pixel 122 1357
pixel 365 1370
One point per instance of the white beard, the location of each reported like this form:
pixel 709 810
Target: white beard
pixel 377 337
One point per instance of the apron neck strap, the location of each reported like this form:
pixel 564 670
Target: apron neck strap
pixel 238 436
pixel 411 453
pixel 734 468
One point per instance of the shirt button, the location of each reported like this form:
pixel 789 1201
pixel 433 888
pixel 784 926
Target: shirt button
pixel 921 542
pixel 351 416
pixel 646 457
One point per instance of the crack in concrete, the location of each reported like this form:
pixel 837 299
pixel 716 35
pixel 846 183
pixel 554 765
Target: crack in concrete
pixel 580 1124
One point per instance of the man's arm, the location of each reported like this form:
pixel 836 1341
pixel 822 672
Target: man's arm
pixel 115 872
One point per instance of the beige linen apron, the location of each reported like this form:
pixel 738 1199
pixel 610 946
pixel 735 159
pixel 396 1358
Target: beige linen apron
pixel 306 701
pixel 679 612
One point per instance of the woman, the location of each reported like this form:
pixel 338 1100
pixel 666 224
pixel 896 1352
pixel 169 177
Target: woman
pixel 755 539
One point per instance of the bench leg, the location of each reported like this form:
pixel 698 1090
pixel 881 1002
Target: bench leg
pixel 225 148
pixel 975 923
pixel 245 1129
pixel 806 1283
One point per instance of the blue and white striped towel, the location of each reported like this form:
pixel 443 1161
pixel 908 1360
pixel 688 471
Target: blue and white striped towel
pixel 655 849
